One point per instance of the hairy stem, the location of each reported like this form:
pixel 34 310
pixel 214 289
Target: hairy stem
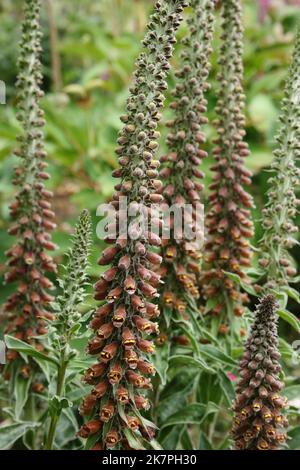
pixel 60 386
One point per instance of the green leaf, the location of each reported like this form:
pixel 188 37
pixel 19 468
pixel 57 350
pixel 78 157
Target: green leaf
pixel 9 434
pixel 186 440
pixel 122 412
pixel 292 392
pixel 262 112
pixel 167 315
pixel 207 388
pixel 246 287
pixel 293 411
pixel 282 298
pixel 204 443
pixel 21 388
pixel 86 316
pixel 75 328
pixel 189 332
pixel 255 273
pixel 91 441
pixel 216 354
pixel 155 445
pixel 26 349
pixel 170 437
pixel 144 421
pixel 173 401
pixel 77 391
pixel 209 336
pixel 133 440
pixel 234 277
pixel 211 303
pixel 46 368
pixel 290 318
pixel 80 365
pixel 294 442
pixel 225 445
pixel 161 361
pixel 181 360
pixel 286 349
pixel 56 404
pixel 191 414
pixel 237 352
pixel 66 429
pixel 293 294
pixel 227 387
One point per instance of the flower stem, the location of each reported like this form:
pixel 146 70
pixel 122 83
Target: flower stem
pixel 61 374
pixel 67 315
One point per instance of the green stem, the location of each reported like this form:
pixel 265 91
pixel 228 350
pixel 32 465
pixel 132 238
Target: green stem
pixel 30 415
pixel 61 374
pixel 211 428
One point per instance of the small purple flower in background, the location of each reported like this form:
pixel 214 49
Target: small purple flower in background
pixel 231 376
pixel 264 6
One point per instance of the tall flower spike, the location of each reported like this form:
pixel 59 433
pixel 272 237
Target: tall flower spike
pixel 180 171
pixel 258 422
pixel 66 308
pixel 228 221
pixel 74 281
pixel 281 209
pixel 31 211
pixel 126 317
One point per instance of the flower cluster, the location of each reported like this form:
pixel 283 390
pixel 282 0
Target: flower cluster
pixel 74 281
pixel 125 319
pixel 259 423
pixel 180 171
pixel 228 221
pixel 281 209
pixel 28 261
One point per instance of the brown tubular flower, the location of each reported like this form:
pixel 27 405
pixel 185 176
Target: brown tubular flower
pixel 229 224
pixel 258 420
pixel 280 212
pixel 133 283
pixel 31 211
pixel 180 167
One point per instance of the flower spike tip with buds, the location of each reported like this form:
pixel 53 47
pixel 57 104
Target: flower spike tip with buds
pixel 258 419
pixel 28 307
pixel 229 223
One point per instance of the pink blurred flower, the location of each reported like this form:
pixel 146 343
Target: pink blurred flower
pixel 264 6
pixel 231 376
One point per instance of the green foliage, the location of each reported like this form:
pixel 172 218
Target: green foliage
pixel 10 433
pixel 98 44
pixel 281 209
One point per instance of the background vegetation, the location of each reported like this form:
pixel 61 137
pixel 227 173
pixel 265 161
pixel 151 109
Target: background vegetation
pixel 87 74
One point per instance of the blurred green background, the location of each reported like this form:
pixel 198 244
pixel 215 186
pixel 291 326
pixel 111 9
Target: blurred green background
pixel 89 52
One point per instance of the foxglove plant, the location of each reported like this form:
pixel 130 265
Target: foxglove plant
pixel 259 422
pixel 28 261
pixel 67 316
pixel 281 209
pixel 121 373
pixel 180 171
pixel 229 224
